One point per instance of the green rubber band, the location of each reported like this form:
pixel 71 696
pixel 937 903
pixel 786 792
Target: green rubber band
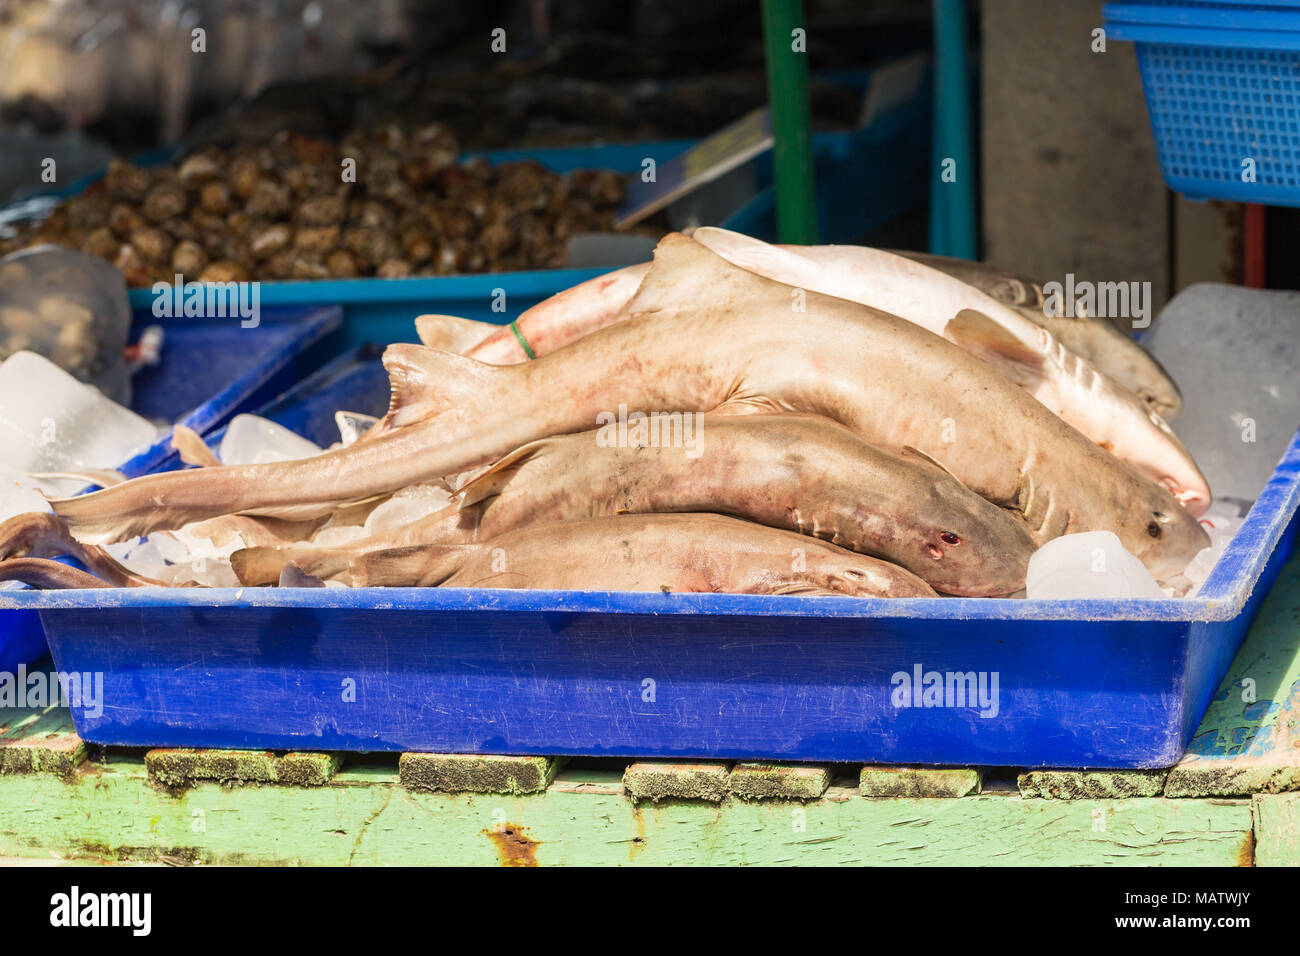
pixel 522 341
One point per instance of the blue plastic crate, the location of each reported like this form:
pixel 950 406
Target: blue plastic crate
pixel 209 370
pixel 1081 683
pixel 1222 83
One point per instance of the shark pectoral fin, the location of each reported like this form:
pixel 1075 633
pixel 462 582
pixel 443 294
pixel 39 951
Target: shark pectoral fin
pixel 426 381
pixel 981 336
pixel 193 449
pixel 259 566
pixel 452 333
pixel 416 566
pixel 910 451
pixel 490 482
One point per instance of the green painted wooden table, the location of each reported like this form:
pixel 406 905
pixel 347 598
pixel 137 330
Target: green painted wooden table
pixel 1233 801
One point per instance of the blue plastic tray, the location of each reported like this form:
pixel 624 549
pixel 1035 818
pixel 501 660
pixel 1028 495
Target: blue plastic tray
pixel 1222 82
pixel 209 370
pixel 1081 683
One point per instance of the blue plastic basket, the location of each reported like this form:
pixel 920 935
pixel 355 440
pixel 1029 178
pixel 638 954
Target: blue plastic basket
pixel 209 370
pixel 1081 683
pixel 1222 84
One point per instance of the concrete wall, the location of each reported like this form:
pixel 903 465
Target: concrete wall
pixel 1070 177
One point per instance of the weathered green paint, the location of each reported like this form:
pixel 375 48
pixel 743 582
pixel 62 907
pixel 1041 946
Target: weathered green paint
pixel 1277 829
pixel 1091 784
pixel 363 816
pixel 467 773
pixel 653 780
pixel 179 806
pixel 765 781
pixel 893 781
pixel 1249 741
pixel 39 741
pixel 184 767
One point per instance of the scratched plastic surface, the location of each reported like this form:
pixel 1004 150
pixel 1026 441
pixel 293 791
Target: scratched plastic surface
pixel 1102 683
pixel 209 370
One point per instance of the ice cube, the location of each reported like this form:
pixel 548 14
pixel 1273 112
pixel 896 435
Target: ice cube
pixel 141 556
pixel 338 535
pixel 251 440
pixel 19 495
pixel 352 425
pixel 1092 564
pixel 51 422
pixel 209 564
pixel 1236 355
pixel 169 547
pixel 1222 522
pixel 211 572
pixel 407 506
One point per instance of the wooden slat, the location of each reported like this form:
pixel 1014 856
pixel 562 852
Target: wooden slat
pixel 467 773
pixel 898 781
pixel 1249 741
pixel 1091 784
pixel 39 741
pixel 765 781
pixel 1277 829
pixel 655 781
pixel 363 816
pixel 183 767
pixel 308 769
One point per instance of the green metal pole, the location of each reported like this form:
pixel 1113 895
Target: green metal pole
pixel 787 90
pixel 954 140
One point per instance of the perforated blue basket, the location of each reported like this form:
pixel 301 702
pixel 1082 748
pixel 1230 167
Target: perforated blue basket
pixel 1222 84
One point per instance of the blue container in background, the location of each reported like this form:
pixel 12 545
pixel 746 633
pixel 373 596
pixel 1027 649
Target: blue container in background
pixel 209 370
pixel 1079 683
pixel 865 178
pixel 1222 83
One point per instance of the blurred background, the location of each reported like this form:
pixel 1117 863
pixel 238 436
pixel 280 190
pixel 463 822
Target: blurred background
pixel 1068 179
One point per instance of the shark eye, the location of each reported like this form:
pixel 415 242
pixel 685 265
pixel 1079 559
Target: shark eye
pixel 949 538
pixel 1154 530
